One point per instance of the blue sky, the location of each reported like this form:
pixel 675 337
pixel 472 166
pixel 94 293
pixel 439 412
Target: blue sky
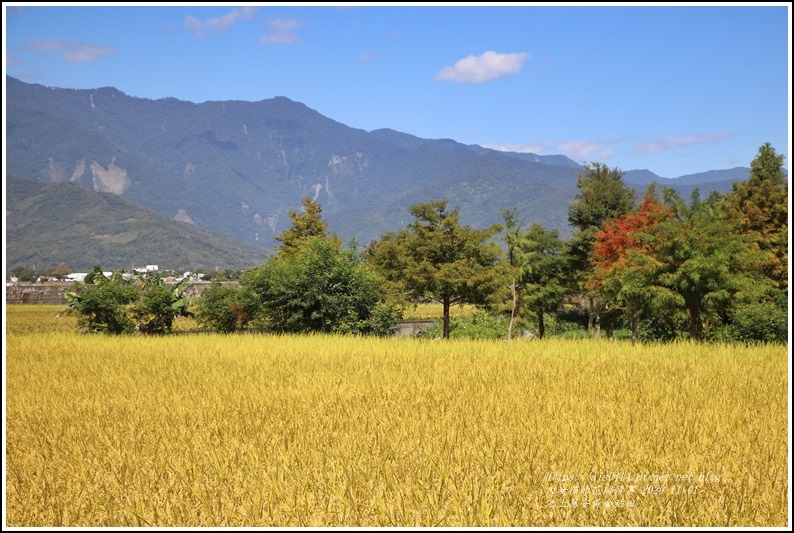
pixel 673 89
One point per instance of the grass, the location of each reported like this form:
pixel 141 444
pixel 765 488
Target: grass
pixel 256 430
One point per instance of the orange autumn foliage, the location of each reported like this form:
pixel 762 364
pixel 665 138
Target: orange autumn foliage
pixel 620 235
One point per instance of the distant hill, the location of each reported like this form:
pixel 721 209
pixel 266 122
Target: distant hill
pixel 713 180
pixel 49 224
pixel 237 168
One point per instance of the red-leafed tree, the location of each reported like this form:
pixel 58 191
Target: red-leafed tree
pixel 602 196
pixel 621 234
pixel 622 265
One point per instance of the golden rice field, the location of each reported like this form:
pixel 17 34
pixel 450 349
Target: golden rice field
pixel 253 430
pixel 434 311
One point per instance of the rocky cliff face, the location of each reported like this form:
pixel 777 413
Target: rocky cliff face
pixel 113 179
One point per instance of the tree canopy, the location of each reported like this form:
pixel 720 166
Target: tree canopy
pixel 542 263
pixel 436 257
pixel 311 285
pixel 623 273
pixel 319 288
pixel 602 196
pixel 760 207
pixel 305 225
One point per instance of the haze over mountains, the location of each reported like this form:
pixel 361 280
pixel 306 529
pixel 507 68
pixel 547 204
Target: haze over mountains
pixel 237 168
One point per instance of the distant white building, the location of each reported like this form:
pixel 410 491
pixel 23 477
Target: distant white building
pixel 148 268
pixel 80 276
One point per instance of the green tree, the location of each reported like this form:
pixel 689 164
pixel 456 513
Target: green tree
pixel 101 303
pixel 602 196
pixel 95 273
pixel 224 308
pixel 438 258
pixel 319 288
pixel 23 273
pixel 125 303
pixel 699 258
pixel 158 305
pixel 512 228
pixel 759 205
pixel 305 225
pixel 623 272
pixel 60 271
pixel 543 272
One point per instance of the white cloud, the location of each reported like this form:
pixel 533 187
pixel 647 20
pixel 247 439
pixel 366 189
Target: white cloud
pixel 520 148
pixel 218 24
pixel 668 143
pixel 583 150
pixel 576 150
pixel 46 46
pixel 281 32
pixel 72 52
pixel 365 58
pixel 484 68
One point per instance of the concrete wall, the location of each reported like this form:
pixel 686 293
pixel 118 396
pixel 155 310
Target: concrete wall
pixel 196 288
pixel 412 327
pixel 37 293
pixel 52 293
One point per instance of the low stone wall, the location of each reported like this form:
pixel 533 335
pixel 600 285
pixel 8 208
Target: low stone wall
pixel 52 293
pixel 412 327
pixel 37 293
pixel 196 288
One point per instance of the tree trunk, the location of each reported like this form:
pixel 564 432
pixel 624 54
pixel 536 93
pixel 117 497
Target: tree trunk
pixel 445 303
pixel 597 333
pixel 541 325
pixel 514 292
pixel 633 328
pixel 590 313
pixel 694 315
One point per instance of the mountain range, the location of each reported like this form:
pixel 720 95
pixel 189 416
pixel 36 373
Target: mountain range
pixel 51 224
pixel 236 169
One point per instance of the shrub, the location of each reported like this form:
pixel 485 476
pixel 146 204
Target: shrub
pixel 109 305
pixel 101 306
pixel 764 322
pixel 214 311
pixel 479 326
pixel 317 287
